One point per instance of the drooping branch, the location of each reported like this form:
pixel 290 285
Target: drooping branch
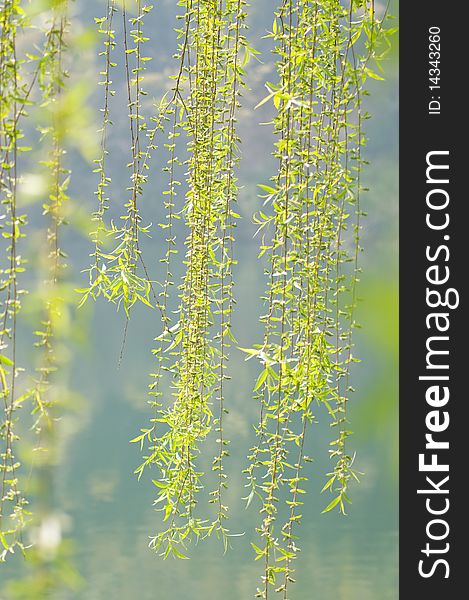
pixel 119 274
pixel 26 81
pixel 323 49
pixel 192 352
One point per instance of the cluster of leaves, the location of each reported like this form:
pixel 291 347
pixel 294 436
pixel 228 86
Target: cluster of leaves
pixel 310 227
pixel 27 81
pixel 192 350
pixel 13 97
pixel 119 274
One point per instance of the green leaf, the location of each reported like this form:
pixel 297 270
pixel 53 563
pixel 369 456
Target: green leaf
pixel 267 188
pixel 178 554
pixel 330 506
pixel 6 361
pixel 251 351
pixel 374 75
pixel 249 499
pixel 262 377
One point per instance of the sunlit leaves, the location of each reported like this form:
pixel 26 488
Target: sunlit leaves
pixel 120 274
pixel 192 351
pixel 310 233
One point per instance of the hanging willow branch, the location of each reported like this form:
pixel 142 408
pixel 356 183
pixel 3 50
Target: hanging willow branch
pixel 312 210
pixel 115 274
pixel 105 28
pixel 51 83
pixel 12 97
pixel 191 353
pixel 18 85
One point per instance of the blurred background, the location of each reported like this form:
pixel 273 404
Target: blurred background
pixel 98 518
